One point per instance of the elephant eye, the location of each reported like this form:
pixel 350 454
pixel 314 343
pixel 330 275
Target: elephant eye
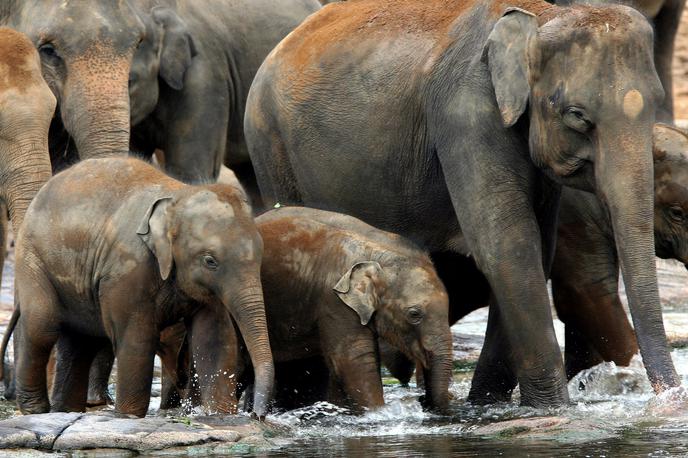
pixel 575 118
pixel 210 262
pixel 48 51
pixel 414 315
pixel 676 213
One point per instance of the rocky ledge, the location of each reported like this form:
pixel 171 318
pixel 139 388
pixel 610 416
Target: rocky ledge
pixel 109 434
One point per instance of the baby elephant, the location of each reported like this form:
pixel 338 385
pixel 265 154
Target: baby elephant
pixel 113 251
pixel 332 285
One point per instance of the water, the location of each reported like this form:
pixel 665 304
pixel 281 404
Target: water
pixel 613 413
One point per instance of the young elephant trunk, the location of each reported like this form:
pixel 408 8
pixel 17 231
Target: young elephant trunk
pixel 248 310
pixel 438 373
pixel 624 175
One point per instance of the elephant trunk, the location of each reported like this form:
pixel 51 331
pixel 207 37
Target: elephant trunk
pixel 438 371
pixel 248 310
pixel 624 176
pixel 27 171
pixel 95 104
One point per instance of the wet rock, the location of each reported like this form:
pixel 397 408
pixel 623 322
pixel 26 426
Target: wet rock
pixel 558 429
pixel 35 431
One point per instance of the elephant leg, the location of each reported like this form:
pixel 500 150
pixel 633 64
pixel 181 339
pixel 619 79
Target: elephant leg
pixel 579 354
pixel 173 353
pixel 74 355
pixel 135 351
pixel 38 331
pixel 494 380
pixel 4 229
pixel 99 378
pixel 215 352
pixel 351 353
pixel 399 366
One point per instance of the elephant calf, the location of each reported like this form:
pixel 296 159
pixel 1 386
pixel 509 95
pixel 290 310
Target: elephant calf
pixel 332 285
pixel 113 251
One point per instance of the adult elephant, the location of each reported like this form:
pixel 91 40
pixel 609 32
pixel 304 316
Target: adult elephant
pixel 204 53
pixel 585 271
pixel 665 16
pixel 457 130
pixel 26 106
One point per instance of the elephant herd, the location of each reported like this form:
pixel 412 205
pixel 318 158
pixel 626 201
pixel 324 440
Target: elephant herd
pixel 423 158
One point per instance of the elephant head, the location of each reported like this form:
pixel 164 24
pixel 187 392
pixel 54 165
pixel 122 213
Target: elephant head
pixel 165 54
pixel 87 48
pixel 408 307
pixel 208 240
pixel 26 107
pixel 584 82
pixel 671 193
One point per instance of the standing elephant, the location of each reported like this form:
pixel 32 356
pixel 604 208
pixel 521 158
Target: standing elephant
pixel 112 251
pixel 585 271
pixel 457 130
pixel 179 70
pixel 665 16
pixel 332 286
pixel 26 106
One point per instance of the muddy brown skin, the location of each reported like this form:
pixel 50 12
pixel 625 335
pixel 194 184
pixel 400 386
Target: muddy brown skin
pixel 498 108
pixel 665 16
pixel 332 286
pixel 26 107
pixel 113 250
pixel 178 70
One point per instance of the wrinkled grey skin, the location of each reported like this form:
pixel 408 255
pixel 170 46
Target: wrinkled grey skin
pixel 114 251
pixel 332 286
pixel 585 271
pixel 497 109
pixel 26 107
pixel 178 70
pixel 665 16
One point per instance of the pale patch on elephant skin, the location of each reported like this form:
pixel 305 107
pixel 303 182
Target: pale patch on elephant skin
pixel 633 103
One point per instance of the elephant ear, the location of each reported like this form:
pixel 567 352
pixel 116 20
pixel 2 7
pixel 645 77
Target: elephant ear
pixel 356 289
pixel 153 232
pixel 177 47
pixel 506 53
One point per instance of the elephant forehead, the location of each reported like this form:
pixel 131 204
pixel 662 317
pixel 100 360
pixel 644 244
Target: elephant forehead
pixel 207 203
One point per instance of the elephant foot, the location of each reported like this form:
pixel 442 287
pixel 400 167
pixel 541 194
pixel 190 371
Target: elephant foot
pixel 99 399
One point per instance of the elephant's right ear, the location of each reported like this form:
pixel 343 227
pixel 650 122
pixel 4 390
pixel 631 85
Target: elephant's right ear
pixel 153 231
pixel 177 47
pixel 506 54
pixel 356 289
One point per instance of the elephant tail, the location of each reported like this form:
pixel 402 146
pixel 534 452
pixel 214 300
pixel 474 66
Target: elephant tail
pixel 6 338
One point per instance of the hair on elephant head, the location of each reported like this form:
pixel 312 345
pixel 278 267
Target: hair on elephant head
pixel 407 306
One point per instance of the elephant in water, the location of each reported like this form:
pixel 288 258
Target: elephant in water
pixel 179 71
pixel 113 251
pixel 332 286
pixel 456 123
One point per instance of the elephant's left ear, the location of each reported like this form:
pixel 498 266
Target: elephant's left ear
pixel 177 47
pixel 153 232
pixel 506 54
pixel 356 289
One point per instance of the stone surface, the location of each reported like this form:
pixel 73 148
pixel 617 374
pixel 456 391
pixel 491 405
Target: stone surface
pixel 559 429
pixel 105 434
